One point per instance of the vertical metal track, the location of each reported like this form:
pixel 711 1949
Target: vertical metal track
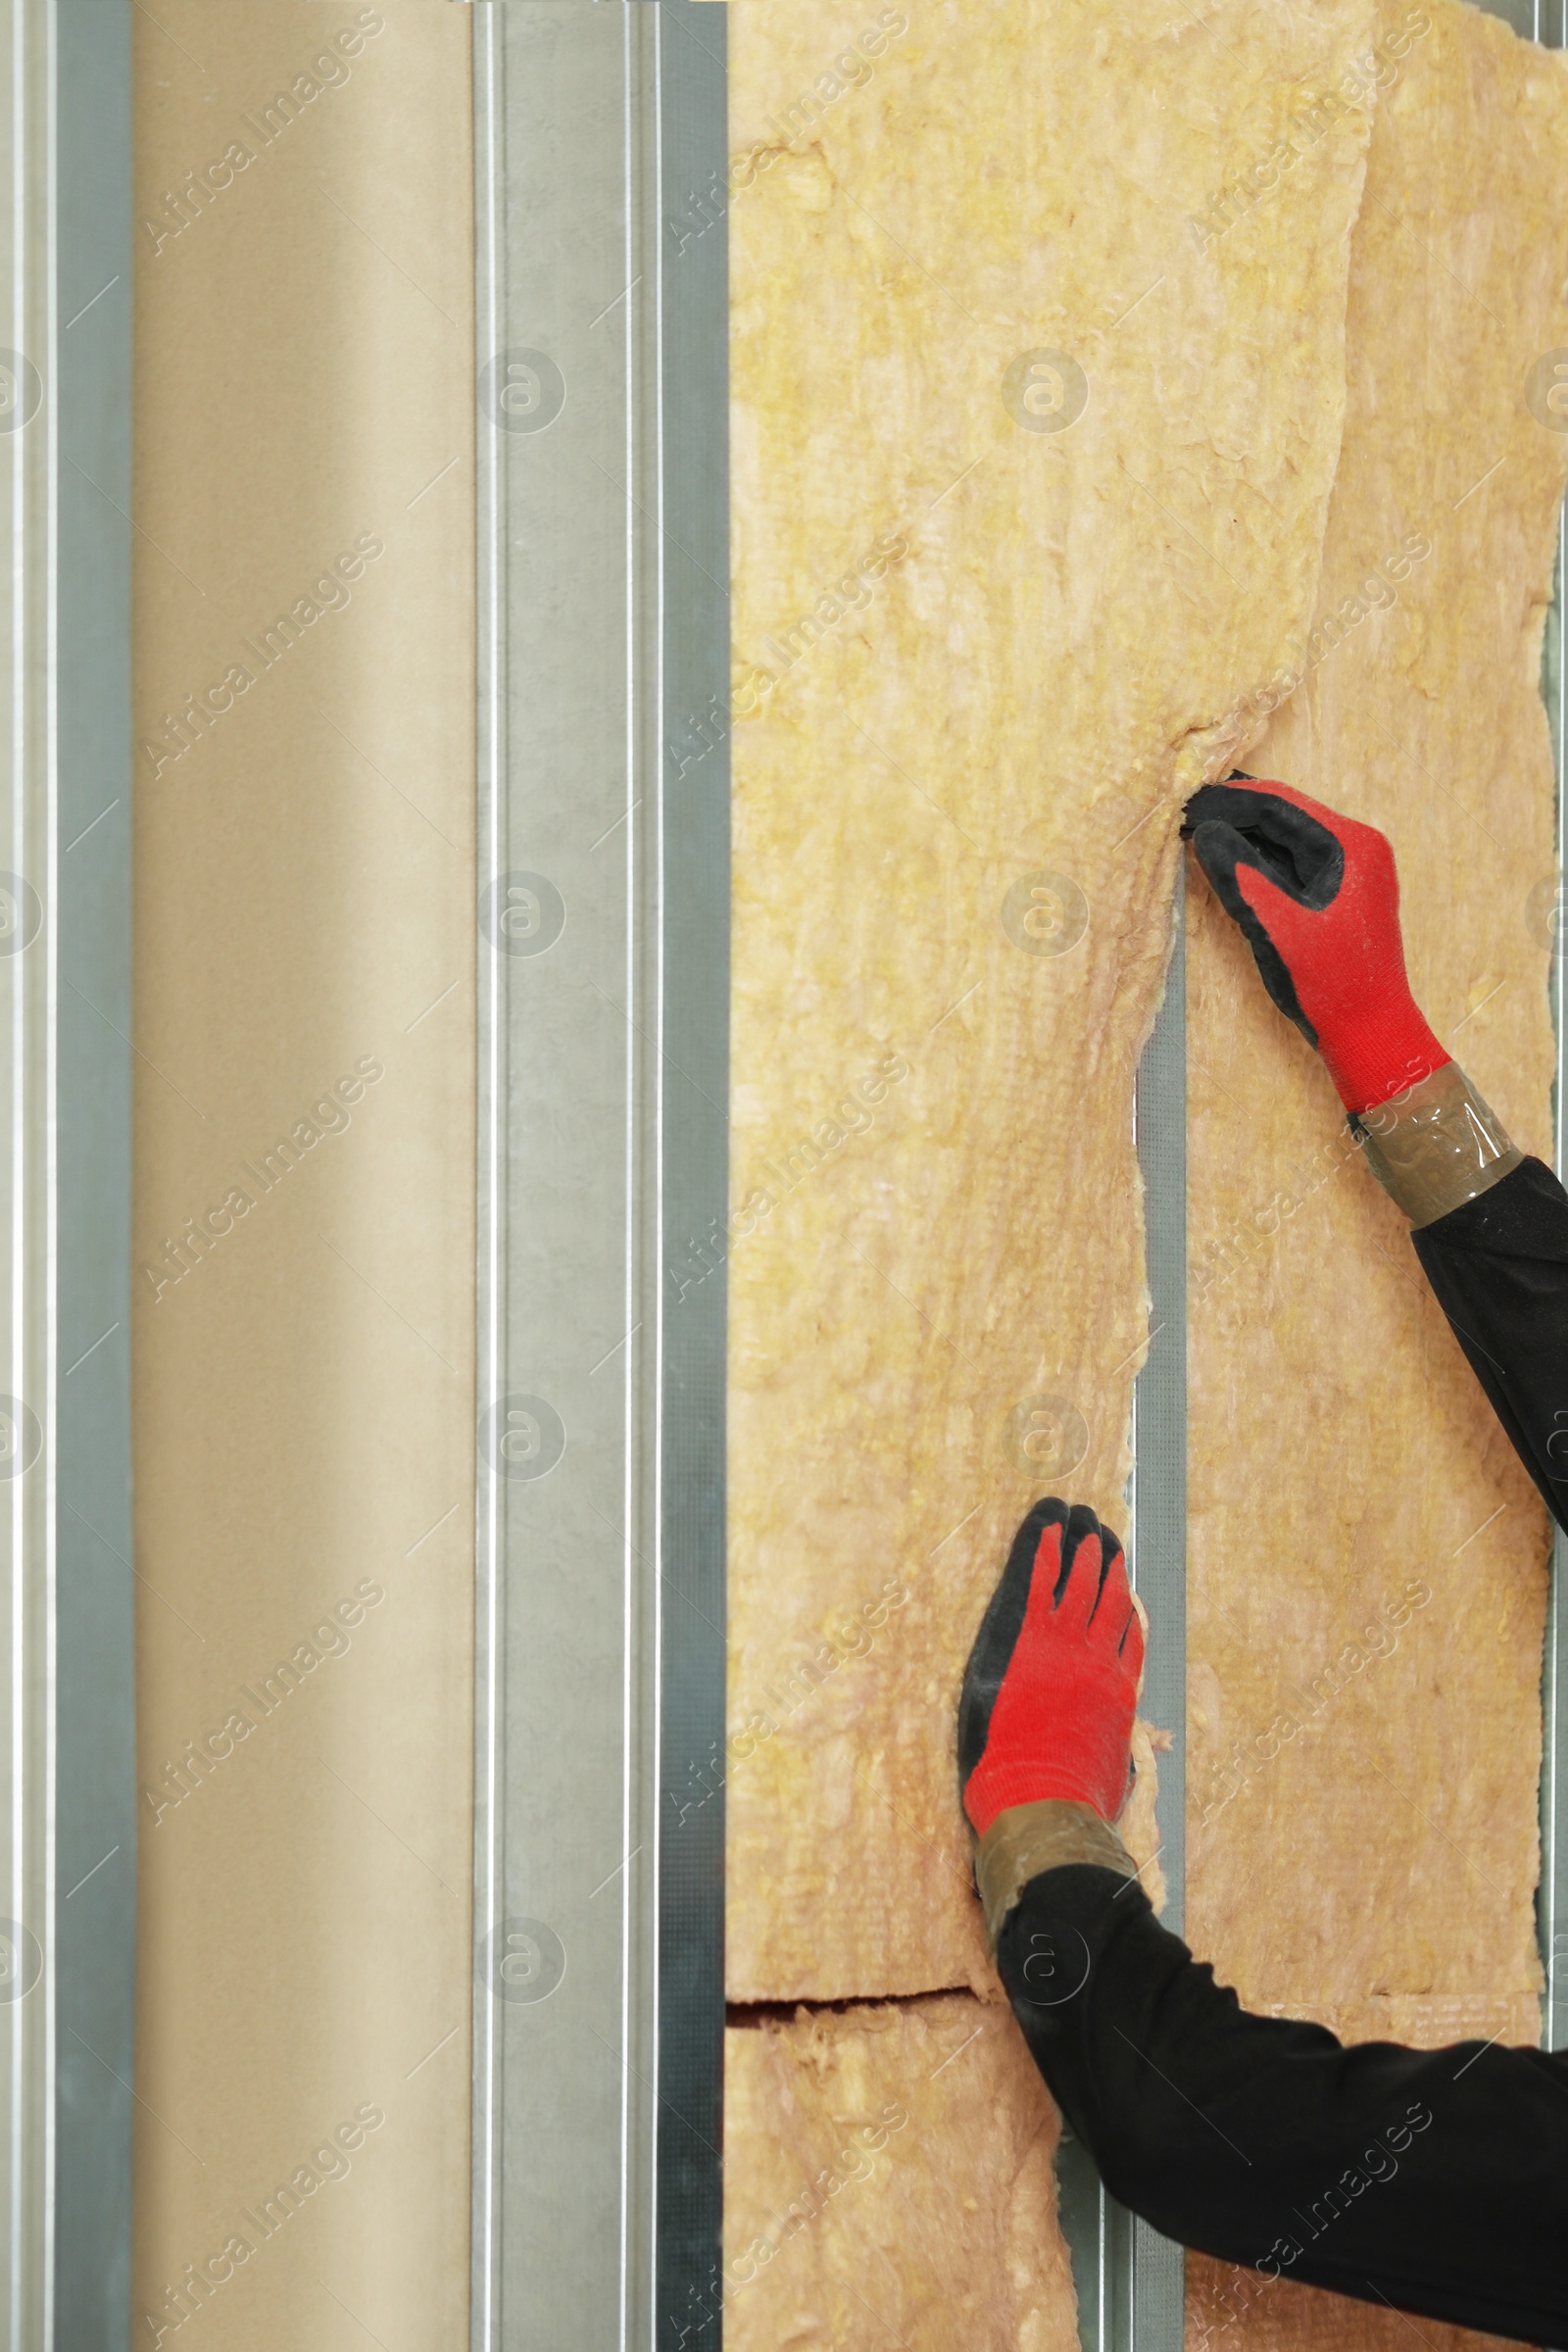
pixel 95 1831
pixel 1553 1899
pixel 1131 2282
pixel 604 1177
pixel 68 1826
pixel 28 472
pixel 1159 1403
pixel 1158 2283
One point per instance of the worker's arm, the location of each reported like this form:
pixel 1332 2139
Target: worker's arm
pixel 1436 2180
pixel 1317 899
pixel 1499 1267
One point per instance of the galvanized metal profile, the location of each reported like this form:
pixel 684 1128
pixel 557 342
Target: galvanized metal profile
pixel 1158 2283
pixel 1131 2282
pixel 28 467
pixel 603 1177
pixel 1552 1896
pixel 1158 1555
pixel 68 1827
pixel 1532 20
pixel 1549 26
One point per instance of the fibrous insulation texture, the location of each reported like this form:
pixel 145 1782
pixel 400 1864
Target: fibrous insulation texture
pixel 1083 376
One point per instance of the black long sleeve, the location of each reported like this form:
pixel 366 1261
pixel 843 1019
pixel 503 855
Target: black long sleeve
pixel 1433 2179
pixel 1500 1268
pixel 1436 2180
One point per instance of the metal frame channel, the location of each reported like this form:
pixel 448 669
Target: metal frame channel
pixel 604 527
pixel 1131 2282
pixel 27 470
pixel 1532 20
pixel 1158 2266
pixel 68 1826
pixel 1552 1899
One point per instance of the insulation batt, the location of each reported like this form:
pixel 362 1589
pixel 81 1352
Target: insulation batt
pixel 1035 436
pixel 1367 1559
pixel 900 2184
pixel 970 654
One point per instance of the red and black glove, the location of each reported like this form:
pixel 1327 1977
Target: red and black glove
pixel 1318 901
pixel 1051 1688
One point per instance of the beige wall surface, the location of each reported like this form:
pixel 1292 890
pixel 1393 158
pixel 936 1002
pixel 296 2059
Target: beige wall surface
pixel 305 897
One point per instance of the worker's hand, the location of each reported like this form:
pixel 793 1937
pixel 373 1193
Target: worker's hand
pixel 1051 1685
pixel 1318 900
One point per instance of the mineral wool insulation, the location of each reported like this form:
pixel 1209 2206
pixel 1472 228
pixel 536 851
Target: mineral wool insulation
pixel 1110 412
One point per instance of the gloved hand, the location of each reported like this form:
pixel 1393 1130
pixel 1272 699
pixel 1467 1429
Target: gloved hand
pixel 1318 900
pixel 1052 1685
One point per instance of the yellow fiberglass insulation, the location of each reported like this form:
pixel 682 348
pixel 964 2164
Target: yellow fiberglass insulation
pixel 1068 420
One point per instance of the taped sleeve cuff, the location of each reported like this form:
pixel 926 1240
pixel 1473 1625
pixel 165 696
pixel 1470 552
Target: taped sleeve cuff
pixel 1026 1841
pixel 1436 1146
